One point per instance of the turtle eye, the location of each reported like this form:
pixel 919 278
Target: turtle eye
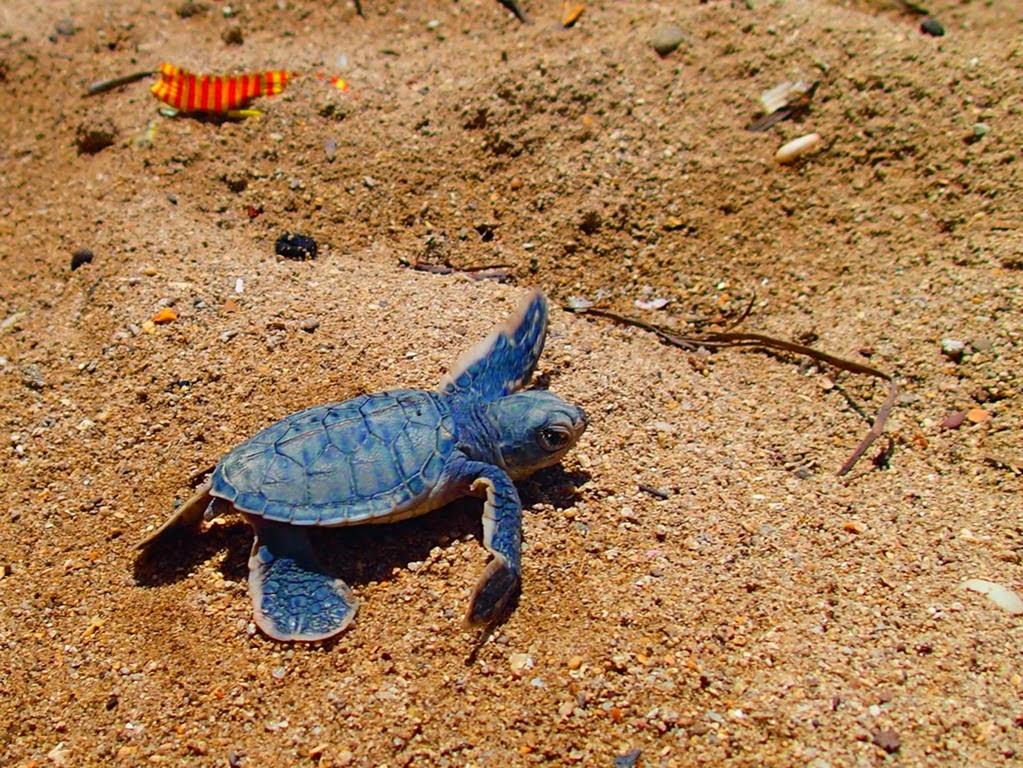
pixel 553 439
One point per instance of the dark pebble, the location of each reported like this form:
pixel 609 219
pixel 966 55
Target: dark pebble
pixel 666 39
pixel 293 246
pixel 629 759
pixel 80 257
pixel 932 27
pixel 95 136
pixel 887 739
pixel 233 35
pixel 65 27
pixel 189 9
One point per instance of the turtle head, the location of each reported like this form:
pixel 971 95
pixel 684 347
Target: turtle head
pixel 535 429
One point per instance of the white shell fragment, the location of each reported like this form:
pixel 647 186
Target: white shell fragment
pixel 996 593
pixel 779 97
pixel 652 303
pixel 796 148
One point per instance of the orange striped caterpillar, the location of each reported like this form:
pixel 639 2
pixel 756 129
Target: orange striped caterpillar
pixel 190 92
pixel 223 95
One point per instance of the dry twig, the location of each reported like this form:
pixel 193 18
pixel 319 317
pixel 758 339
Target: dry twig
pixel 732 338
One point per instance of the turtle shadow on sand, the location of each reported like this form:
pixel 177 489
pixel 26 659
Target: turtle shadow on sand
pixel 357 554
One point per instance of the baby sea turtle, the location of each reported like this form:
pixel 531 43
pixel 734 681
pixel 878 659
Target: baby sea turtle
pixel 389 456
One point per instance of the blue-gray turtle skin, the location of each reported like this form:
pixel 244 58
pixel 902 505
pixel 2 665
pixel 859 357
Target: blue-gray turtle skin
pixel 389 456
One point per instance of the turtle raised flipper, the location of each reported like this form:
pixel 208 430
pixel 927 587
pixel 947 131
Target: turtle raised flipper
pixel 502 536
pixel 292 597
pixel 504 361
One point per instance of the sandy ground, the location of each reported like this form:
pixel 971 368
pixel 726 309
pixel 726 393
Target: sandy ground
pixel 699 585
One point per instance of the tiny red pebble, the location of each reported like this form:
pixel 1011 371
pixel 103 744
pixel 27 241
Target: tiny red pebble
pixel 954 420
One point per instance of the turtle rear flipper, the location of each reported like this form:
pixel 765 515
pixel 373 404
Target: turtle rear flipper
pixel 292 598
pixel 188 515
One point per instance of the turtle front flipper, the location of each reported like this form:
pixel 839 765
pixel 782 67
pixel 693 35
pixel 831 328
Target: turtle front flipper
pixel 504 361
pixel 502 536
pixel 292 598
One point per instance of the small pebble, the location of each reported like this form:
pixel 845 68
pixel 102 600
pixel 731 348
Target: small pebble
pixel 629 759
pixel 571 14
pixel 519 663
pixel 317 752
pixel 94 136
pixel 575 662
pixel 81 257
pixel 977 415
pixel 980 130
pixel 294 246
pixel 651 304
pixel 666 39
pixel 165 315
pixel 887 739
pixel 982 344
pixel 953 349
pixel 32 377
pixel 65 27
pixel 188 9
pixel 577 303
pixel 233 35
pixel 1001 596
pixel 796 148
pixel 932 27
pixel 953 420
pixel 310 325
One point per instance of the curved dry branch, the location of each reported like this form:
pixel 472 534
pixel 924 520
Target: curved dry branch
pixel 733 338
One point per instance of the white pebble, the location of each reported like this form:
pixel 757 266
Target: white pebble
pixel 579 302
pixel 239 286
pixel 796 148
pixel 520 662
pixel 651 304
pixel 996 593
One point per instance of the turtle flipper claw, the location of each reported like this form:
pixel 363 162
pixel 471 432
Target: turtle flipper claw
pixel 502 536
pixel 292 598
pixel 494 594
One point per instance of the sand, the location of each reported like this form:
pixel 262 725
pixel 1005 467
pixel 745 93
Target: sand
pixel 699 584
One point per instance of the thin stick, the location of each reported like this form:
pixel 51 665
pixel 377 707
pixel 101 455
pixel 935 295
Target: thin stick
pixel 737 339
pixel 108 85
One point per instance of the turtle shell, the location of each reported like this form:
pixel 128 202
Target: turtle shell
pixel 373 458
